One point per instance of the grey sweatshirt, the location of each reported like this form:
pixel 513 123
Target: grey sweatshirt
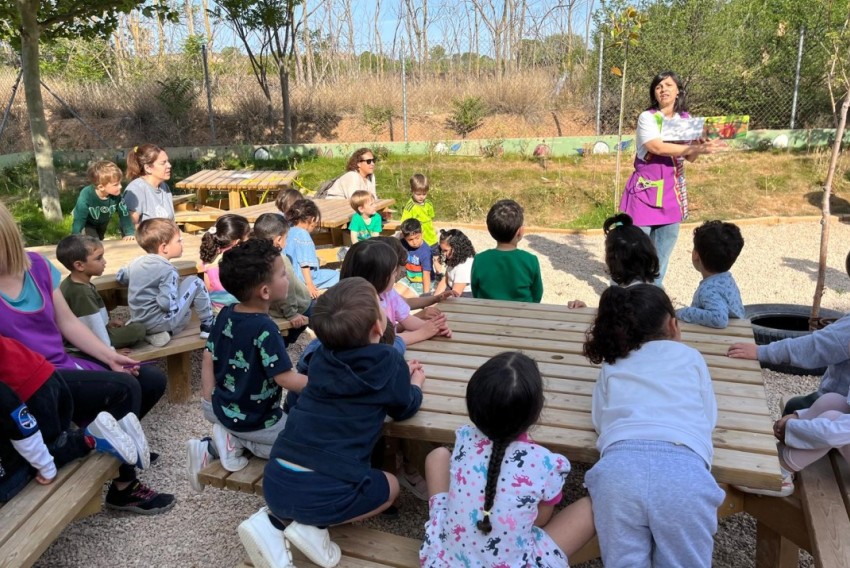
pixel 828 347
pixel 151 284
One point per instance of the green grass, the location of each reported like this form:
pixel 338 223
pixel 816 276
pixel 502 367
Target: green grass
pixel 570 192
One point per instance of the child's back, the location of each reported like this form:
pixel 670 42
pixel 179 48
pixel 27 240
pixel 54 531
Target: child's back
pixel 150 279
pixel 505 272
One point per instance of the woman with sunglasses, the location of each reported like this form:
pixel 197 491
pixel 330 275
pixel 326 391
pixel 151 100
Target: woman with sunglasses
pixel 360 175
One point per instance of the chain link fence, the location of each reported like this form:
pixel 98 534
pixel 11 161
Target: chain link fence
pixel 165 101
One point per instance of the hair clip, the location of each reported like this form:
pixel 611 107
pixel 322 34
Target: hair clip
pixel 486 513
pixel 617 224
pixel 211 230
pixel 136 149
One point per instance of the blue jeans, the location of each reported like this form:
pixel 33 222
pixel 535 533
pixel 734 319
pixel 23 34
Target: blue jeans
pixel 663 237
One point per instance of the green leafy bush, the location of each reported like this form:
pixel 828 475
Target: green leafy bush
pixel 467 115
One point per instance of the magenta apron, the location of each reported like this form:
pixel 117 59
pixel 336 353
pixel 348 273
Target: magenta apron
pixel 655 193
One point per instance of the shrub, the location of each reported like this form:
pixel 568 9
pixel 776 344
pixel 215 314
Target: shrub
pixel 378 117
pixel 467 115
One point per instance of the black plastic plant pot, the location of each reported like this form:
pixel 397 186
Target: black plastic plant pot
pixel 773 322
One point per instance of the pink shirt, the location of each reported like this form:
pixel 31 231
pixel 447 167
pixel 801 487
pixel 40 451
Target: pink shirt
pixel 394 305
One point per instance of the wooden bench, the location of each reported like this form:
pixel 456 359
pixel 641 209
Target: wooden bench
pixel 824 489
pixel 361 547
pixel 178 356
pixel 33 519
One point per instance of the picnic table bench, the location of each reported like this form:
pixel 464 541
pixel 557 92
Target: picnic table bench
pixel 33 519
pixel 242 186
pixel 824 488
pixel 361 547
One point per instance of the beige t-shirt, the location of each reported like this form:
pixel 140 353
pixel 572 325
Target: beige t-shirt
pixel 350 182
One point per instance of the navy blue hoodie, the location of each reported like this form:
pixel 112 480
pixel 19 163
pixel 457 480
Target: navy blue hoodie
pixel 340 414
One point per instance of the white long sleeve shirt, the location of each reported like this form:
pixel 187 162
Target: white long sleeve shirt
pixel 662 392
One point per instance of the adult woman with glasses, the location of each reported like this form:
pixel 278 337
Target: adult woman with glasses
pixel 360 175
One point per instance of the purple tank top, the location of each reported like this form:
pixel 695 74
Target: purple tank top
pixel 38 330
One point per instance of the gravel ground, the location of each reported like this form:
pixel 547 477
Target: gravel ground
pixel 776 265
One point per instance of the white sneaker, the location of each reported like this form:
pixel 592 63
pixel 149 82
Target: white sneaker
pixel 160 339
pixel 315 543
pixel 229 449
pixel 264 543
pixel 199 458
pixel 786 489
pixel 131 425
pixel 110 438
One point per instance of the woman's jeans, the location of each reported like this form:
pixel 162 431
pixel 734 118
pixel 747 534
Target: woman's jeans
pixel 663 237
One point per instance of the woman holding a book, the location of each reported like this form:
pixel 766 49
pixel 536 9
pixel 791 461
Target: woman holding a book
pixel 655 195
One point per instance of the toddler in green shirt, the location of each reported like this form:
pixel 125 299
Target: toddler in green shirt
pixel 365 223
pixel 99 201
pixel 505 272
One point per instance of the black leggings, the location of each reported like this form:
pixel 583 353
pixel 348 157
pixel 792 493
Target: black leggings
pixel 116 393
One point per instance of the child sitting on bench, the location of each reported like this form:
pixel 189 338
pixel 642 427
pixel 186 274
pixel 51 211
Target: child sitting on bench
pixel 245 363
pixel 320 470
pixel 157 297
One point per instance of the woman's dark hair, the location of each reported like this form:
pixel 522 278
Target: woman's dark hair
pixel 504 399
pixel 629 252
pixel 626 319
pixel 374 260
pixel 303 210
pixel 462 248
pixel 228 228
pixel 139 157
pixel 681 99
pixel 355 158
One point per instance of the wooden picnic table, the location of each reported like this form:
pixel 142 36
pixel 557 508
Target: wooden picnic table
pixel 118 254
pixel 336 213
pixel 242 186
pixel 745 449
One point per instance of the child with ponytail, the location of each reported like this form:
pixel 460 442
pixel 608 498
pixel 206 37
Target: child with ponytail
pixel 654 499
pixel 492 499
pixel 229 230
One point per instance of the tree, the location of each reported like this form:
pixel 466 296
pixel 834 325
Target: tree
pixel 30 22
pixel 838 77
pixel 273 24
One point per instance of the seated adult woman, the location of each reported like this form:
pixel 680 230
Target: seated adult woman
pixel 360 175
pixel 147 195
pixel 34 312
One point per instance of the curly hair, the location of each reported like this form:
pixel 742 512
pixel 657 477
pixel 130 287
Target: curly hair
pixel 246 266
pixel 303 210
pixel 351 165
pixel 462 248
pixel 227 229
pixel 718 245
pixel 626 319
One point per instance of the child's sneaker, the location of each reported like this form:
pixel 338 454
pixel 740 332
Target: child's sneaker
pixel 206 328
pixel 138 498
pixel 199 458
pixel 160 339
pixel 315 543
pixel 414 483
pixel 786 489
pixel 131 425
pixel 264 543
pixel 110 438
pixel 229 449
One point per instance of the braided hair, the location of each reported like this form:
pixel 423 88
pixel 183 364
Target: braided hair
pixel 504 399
pixel 626 319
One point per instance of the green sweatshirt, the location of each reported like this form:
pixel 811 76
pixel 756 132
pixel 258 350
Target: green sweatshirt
pixel 93 211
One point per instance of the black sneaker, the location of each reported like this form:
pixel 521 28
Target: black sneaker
pixel 206 328
pixel 154 458
pixel 138 498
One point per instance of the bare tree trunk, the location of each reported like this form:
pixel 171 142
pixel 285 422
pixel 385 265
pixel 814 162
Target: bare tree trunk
pixel 379 46
pixel 136 34
pixel 47 186
pixel 120 52
pixel 190 17
pixel 827 193
pixel 160 33
pixel 207 25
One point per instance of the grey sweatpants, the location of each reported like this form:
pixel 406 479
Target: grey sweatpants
pixel 258 442
pixel 191 293
pixel 654 504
